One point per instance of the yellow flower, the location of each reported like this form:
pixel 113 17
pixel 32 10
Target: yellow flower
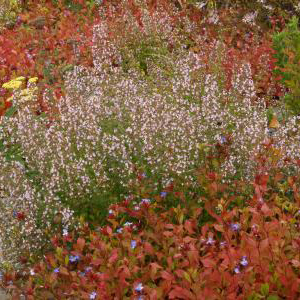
pixel 21 78
pixel 14 83
pixel 32 80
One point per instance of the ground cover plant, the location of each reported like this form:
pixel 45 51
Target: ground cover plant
pixel 160 119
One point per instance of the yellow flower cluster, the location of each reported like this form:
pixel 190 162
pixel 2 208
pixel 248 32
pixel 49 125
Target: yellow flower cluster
pixel 17 83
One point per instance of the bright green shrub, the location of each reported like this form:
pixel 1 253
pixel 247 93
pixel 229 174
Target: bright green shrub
pixel 287 47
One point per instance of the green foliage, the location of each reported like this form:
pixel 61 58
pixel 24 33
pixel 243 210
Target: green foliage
pixel 287 47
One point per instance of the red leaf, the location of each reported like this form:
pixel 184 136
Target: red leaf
pixel 219 227
pixel 179 273
pixel 188 225
pixel 168 233
pixel 114 256
pixel 154 266
pixel 169 226
pixel 208 263
pixel 181 293
pixel 96 262
pixel 64 271
pixel 148 248
pixel 80 244
pixel 264 244
pixel 167 276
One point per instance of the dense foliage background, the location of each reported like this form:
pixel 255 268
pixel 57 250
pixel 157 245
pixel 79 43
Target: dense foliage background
pixel 149 149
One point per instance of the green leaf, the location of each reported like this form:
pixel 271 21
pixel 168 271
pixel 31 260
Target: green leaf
pixel 59 251
pixel 264 289
pixel 273 297
pixel 66 260
pixel 187 276
pixel 10 112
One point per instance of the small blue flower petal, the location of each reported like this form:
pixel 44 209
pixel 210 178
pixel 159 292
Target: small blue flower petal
pixel 133 244
pixel 139 287
pixel 244 261
pixel 119 230
pixel 235 227
pixel 74 258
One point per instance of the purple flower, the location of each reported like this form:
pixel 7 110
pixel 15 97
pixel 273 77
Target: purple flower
pixel 133 244
pixel 15 214
pixel 235 227
pixel 163 194
pixel 93 295
pixel 237 270
pixel 56 270
pixel 244 261
pixel 139 287
pixel 210 241
pixel 88 269
pixel 222 244
pixel 74 258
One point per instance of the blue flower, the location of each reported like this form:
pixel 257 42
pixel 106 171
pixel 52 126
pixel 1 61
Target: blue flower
pixel 163 194
pixel 128 224
pixel 93 295
pixel 223 139
pixel 235 227
pixel 139 287
pixel 74 258
pixel 15 214
pixel 244 261
pixel 133 244
pixel 237 270
pixel 56 270
pixel 146 201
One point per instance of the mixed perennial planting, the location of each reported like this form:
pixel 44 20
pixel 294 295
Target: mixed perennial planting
pixel 159 118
